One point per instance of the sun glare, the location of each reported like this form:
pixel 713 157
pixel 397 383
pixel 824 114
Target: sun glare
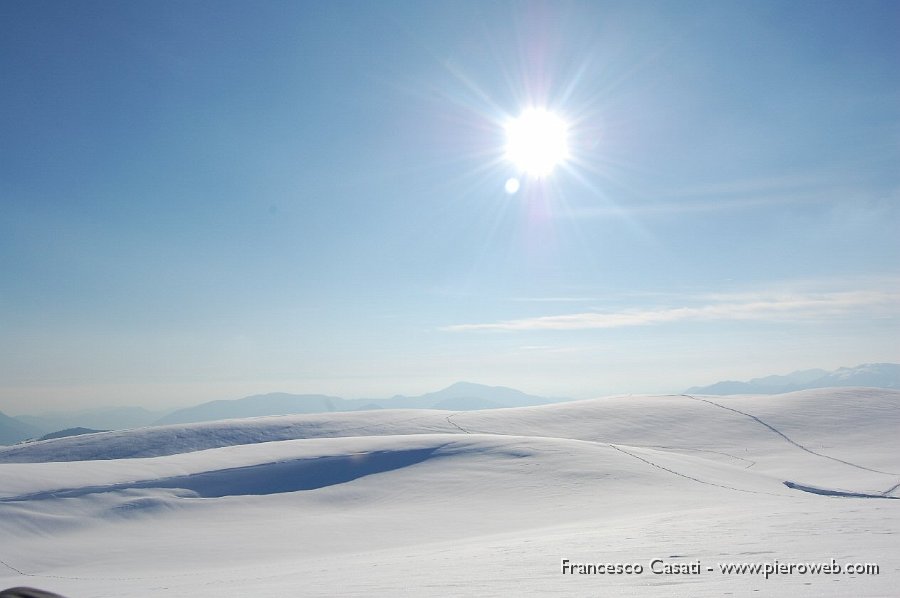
pixel 536 142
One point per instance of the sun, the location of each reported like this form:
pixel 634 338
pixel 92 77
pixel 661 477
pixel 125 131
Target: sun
pixel 536 142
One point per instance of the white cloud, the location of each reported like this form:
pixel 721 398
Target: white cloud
pixel 797 307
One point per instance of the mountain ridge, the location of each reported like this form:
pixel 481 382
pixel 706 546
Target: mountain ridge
pixel 96 418
pixel 874 375
pixel 13 430
pixel 460 396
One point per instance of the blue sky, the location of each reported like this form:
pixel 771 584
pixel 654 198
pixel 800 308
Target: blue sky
pixel 205 200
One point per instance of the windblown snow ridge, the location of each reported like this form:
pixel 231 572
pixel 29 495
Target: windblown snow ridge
pixel 828 492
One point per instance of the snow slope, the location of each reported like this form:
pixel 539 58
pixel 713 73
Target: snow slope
pixel 466 503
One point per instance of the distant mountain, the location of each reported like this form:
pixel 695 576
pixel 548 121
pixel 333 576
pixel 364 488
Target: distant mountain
pixel 276 403
pixel 13 430
pixel 100 418
pixel 875 375
pixel 462 396
pixel 70 432
pixel 501 396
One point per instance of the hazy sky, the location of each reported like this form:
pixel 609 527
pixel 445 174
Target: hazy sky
pixel 204 200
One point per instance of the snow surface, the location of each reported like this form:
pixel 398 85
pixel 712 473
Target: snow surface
pixel 441 503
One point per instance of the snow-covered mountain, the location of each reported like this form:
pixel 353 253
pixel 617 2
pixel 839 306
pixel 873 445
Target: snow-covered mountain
pixel 875 375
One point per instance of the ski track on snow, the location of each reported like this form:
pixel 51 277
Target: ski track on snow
pixel 683 475
pixel 784 436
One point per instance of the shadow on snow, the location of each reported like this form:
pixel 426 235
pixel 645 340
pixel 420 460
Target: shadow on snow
pixel 265 478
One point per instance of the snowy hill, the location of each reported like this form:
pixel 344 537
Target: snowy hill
pixel 431 503
pixel 70 432
pixel 875 375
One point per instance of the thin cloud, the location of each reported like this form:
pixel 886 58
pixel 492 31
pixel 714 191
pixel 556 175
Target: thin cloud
pixel 553 299
pixel 787 308
pixel 810 188
pixel 699 205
